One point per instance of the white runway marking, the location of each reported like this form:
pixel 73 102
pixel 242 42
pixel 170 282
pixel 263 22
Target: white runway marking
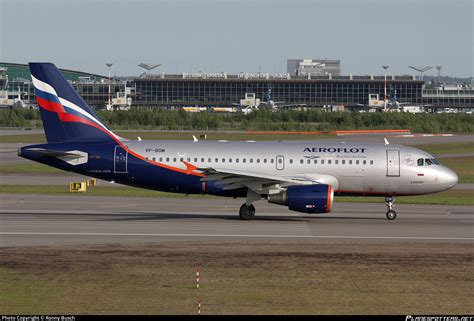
pixel 243 236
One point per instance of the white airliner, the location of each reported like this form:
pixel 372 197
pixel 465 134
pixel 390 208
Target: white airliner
pixel 304 176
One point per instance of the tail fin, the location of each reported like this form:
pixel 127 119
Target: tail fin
pixel 66 116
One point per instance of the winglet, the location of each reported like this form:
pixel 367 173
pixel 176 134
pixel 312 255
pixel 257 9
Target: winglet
pixel 386 141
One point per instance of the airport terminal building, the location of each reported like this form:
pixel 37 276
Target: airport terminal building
pixel 224 90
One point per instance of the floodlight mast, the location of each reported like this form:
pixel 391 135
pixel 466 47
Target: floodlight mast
pixel 421 70
pixel 147 67
pixel 385 67
pixel 109 65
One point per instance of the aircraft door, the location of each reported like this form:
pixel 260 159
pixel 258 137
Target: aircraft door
pixel 280 162
pixel 120 160
pixel 393 162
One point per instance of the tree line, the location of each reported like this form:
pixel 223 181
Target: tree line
pixel 285 120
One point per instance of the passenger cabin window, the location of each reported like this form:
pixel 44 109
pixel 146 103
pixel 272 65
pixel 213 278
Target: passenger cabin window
pixel 308 161
pixel 216 160
pixel 209 160
pixel 291 161
pixel 272 160
pixel 329 162
pixel 336 161
pixel 301 161
pixel 322 161
pixel 202 160
pixel 420 162
pixel 343 161
pixel 315 161
pixel 371 162
pixel 174 160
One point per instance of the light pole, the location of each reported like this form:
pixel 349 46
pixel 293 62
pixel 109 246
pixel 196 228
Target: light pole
pixel 148 67
pixel 109 65
pixel 385 89
pixel 421 70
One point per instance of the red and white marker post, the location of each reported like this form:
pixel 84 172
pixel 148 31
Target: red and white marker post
pixel 197 278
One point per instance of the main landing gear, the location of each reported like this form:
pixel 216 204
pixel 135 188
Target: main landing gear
pixel 391 214
pixel 247 210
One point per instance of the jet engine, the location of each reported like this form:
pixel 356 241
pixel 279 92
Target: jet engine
pixel 305 198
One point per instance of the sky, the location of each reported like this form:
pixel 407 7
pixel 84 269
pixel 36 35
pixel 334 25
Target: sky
pixel 240 36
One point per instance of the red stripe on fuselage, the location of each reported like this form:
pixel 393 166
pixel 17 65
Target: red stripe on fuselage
pixel 66 117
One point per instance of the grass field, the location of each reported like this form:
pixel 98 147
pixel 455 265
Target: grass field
pixel 239 278
pixel 450 197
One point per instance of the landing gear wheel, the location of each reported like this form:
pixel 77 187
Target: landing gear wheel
pixel 391 215
pixel 246 212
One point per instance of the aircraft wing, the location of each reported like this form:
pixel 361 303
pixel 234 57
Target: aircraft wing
pixel 258 182
pixel 289 105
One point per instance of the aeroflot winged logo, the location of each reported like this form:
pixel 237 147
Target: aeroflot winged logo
pixel 334 150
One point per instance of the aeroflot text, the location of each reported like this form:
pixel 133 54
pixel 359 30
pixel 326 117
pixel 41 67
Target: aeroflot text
pixel 334 150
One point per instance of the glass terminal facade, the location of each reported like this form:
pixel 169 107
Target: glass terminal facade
pixel 222 90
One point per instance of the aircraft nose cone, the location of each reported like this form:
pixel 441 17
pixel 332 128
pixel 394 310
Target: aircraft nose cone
pixel 451 178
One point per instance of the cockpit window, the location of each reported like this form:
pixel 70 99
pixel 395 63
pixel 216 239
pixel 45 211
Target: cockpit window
pixel 420 162
pixel 435 161
pixel 428 162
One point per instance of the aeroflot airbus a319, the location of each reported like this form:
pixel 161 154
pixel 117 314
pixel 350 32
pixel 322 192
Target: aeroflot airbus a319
pixel 304 176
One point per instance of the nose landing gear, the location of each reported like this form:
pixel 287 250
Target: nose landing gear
pixel 391 214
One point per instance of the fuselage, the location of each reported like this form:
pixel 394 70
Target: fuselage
pixel 174 166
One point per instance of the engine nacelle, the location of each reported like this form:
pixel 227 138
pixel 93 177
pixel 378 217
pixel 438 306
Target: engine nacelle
pixel 305 198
